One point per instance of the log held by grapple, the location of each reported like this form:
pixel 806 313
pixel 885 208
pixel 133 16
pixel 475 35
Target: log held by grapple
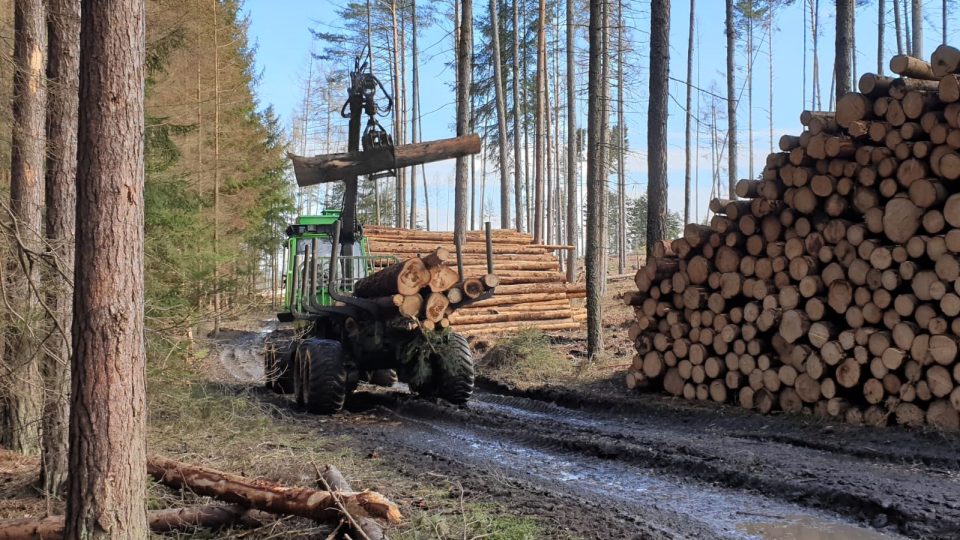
pixel 337 167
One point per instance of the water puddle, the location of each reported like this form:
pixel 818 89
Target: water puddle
pixel 810 528
pixel 720 511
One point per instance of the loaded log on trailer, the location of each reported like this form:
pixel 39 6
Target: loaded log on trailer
pixel 532 294
pixel 359 317
pixel 832 283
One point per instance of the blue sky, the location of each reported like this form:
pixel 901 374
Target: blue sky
pixel 281 31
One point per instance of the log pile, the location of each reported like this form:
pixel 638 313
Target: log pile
pixel 831 284
pixel 531 290
pixel 423 289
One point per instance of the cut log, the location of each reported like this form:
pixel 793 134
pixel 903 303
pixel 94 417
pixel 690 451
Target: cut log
pixel 406 277
pixel 267 496
pixel 945 60
pixel 901 219
pixel 333 167
pixel 908 66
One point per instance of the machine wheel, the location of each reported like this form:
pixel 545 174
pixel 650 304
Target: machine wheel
pixel 322 381
pixel 278 351
pixel 453 371
pixel 383 377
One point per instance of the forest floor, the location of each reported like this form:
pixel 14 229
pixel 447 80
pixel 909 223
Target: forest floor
pixel 551 446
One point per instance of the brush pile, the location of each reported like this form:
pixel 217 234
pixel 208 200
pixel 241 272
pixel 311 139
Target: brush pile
pixel 531 292
pixel 832 284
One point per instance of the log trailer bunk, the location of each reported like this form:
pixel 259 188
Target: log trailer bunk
pixel 338 339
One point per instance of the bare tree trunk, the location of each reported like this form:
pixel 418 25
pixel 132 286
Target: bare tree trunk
pixel 657 122
pixel 604 201
pixel 843 50
pixel 499 92
pixel 558 204
pixel 397 125
pixel 898 26
pixel 401 115
pixel 108 404
pixel 853 46
pixel 464 62
pixel 573 219
pixel 528 200
pixel 538 126
pixel 21 402
pixel 906 29
pixel 217 295
pixel 770 21
pixel 881 26
pixel 917 13
pixel 731 105
pixel 943 21
pixel 415 120
pixel 548 126
pixel 61 199
pixel 815 30
pixel 517 166
pixel 621 151
pixel 750 92
pixel 596 187
pixel 688 167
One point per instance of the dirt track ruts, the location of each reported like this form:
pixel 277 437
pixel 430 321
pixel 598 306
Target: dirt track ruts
pixel 651 467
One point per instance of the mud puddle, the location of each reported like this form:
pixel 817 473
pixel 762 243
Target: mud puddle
pixel 657 470
pixel 672 505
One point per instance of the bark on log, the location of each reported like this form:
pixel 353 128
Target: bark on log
pixel 268 496
pixel 406 277
pixel 333 167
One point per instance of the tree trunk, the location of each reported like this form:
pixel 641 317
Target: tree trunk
pixel 843 49
pixel 881 26
pixel 501 117
pixel 464 64
pixel 397 126
pixel 621 151
pixel 770 21
pixel 943 21
pixel 217 293
pixel 108 402
pixel 688 163
pixel 917 20
pixel 517 166
pixel 750 91
pixel 657 122
pixel 596 187
pixel 898 26
pixel 731 105
pixel 414 121
pixel 538 124
pixel 604 155
pixel 61 199
pixel 22 402
pixel 573 220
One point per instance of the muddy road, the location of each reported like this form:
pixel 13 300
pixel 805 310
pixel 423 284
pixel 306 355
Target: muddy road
pixel 651 467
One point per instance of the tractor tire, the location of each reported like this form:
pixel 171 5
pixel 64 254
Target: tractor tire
pixel 383 377
pixel 322 376
pixel 453 371
pixel 457 371
pixel 278 352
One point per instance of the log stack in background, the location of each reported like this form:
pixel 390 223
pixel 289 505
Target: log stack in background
pixel 532 292
pixel 832 284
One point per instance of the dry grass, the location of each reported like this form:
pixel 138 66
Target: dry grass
pixel 234 429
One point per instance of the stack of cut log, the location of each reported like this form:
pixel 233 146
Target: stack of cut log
pixel 832 284
pixel 532 292
pixel 425 289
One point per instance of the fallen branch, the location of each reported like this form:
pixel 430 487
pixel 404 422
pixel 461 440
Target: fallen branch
pixel 268 496
pixel 364 527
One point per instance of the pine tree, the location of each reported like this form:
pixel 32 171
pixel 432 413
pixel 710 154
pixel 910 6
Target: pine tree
pixel 108 447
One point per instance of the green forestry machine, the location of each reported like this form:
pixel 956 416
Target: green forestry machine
pixel 337 339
